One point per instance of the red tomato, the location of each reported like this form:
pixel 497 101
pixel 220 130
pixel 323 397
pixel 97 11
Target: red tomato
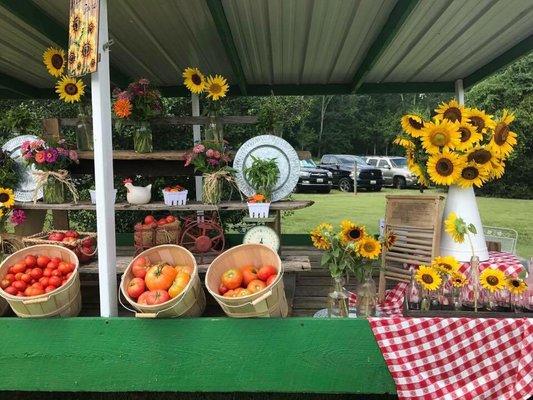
pixel 160 277
pixel 232 278
pixel 10 277
pixel 256 286
pixel 49 288
pixel 47 272
pixel 170 219
pixel 136 287
pixel 249 273
pixel 52 265
pixel 19 285
pixel 11 290
pixel 265 272
pixel 19 267
pixel 158 297
pixel 56 260
pixel 36 273
pixel 38 285
pixel 57 272
pixel 5 283
pixel 11 270
pixel 229 293
pixel 271 279
pixel 18 276
pixel 222 289
pixel 69 275
pixel 54 281
pixel 30 261
pixel 32 291
pixel 26 278
pixel 143 298
pixel 21 294
pixel 72 234
pixel 65 267
pixel 44 281
pixel 149 219
pixel 42 261
pixel 162 221
pixel 139 267
pixel 241 292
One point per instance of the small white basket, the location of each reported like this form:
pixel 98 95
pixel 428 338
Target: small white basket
pixel 175 198
pixel 258 210
pixel 93 195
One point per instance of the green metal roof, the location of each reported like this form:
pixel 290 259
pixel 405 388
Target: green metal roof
pixel 280 46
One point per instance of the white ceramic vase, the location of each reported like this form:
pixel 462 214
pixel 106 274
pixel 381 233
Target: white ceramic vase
pixel 462 201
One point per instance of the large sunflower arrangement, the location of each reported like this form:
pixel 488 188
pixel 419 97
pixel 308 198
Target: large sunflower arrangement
pixel 459 146
pixel 349 248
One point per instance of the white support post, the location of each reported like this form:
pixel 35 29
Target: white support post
pixel 197 137
pixel 460 91
pixel 103 174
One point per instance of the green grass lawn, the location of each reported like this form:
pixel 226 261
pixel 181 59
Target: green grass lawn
pixel 368 208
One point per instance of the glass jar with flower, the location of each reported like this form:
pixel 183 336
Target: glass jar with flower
pixel 429 281
pixel 138 104
pixel 492 281
pixel 446 266
pixel 348 250
pixel 51 162
pixel 516 287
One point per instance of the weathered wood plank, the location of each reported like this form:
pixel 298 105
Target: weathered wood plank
pixel 304 355
pixel 173 155
pixel 184 120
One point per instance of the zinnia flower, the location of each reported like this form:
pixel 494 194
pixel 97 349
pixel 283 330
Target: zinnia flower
pixel 216 154
pixel 18 217
pixel 210 153
pixel 199 148
pixel 25 147
pixel 73 155
pixel 51 155
pixel 40 157
pixel 123 95
pixel 212 161
pixel 122 108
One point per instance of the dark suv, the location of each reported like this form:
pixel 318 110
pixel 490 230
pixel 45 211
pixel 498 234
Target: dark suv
pixel 342 168
pixel 313 178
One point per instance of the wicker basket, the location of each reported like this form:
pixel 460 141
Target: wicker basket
pixel 168 233
pixel 76 247
pixel 269 302
pixel 65 301
pixel 190 303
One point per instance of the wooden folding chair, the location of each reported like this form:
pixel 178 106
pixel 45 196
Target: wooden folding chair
pixel 415 222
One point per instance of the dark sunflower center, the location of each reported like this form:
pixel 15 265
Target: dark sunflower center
pixel 470 173
pixel 452 114
pixel 215 88
pixel 71 89
pixel 465 134
pixel 501 133
pixel 369 247
pixel 492 280
pixel 71 58
pixel 4 197
pixel 439 139
pixel 447 267
pixel 57 61
pixel 415 124
pixel 478 123
pixel 86 50
pixel 480 156
pixel 195 78
pixel 444 167
pixel 354 234
pixel 426 278
pixel 515 283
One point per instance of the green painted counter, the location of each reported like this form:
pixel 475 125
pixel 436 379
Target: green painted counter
pixel 192 355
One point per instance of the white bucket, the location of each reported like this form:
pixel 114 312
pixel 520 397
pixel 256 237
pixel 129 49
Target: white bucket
pixel 175 198
pixel 93 195
pixel 258 210
pixel 462 201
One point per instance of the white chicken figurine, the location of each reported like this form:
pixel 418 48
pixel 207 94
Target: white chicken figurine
pixel 137 194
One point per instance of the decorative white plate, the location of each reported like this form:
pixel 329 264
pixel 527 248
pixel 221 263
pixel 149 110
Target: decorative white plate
pixel 27 185
pixel 265 147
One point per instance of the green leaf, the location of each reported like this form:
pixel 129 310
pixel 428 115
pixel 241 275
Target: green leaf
pixel 472 229
pixel 326 258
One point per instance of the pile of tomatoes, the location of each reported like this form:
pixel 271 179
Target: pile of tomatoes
pixel 36 275
pixel 173 189
pixel 239 282
pixel 156 283
pixel 151 221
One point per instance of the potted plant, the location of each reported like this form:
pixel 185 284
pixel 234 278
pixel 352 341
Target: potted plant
pixel 262 175
pixel 51 161
pixel 175 195
pixel 140 103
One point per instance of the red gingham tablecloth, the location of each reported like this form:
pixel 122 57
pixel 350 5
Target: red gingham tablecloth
pixel 507 262
pixel 458 358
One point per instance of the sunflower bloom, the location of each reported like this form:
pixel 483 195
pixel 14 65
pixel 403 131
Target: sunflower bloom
pixel 440 135
pixel 194 80
pixel 482 121
pixel 122 108
pixel 405 143
pixel 482 156
pixel 216 87
pixel 497 170
pixel 368 247
pixel 70 90
pixel 458 279
pixel 469 136
pixel 516 286
pixel 413 124
pixel 447 265
pixel 450 226
pixel 473 175
pixel 54 60
pixel 492 279
pixel 503 139
pixel 444 168
pixel 428 278
pixel 451 111
pixel 319 236
pixel 7 198
pixel 351 232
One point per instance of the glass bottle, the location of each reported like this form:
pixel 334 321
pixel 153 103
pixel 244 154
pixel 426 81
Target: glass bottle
pixel 366 296
pixel 471 293
pixel 413 295
pixel 337 299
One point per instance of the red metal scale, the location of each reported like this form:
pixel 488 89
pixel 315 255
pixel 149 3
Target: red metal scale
pixel 203 235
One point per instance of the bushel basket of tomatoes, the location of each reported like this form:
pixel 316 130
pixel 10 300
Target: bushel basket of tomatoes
pixel 41 281
pixel 152 231
pixel 83 244
pixel 163 282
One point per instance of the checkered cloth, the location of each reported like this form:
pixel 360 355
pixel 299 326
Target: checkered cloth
pixel 458 358
pixel 392 304
pixel 507 262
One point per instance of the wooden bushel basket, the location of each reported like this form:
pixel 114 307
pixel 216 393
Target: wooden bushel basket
pixel 190 303
pixel 65 301
pixel 269 302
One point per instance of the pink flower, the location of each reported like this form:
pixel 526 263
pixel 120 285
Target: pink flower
pixel 25 147
pixel 62 151
pixel 188 159
pixel 212 161
pixel 216 154
pixel 40 157
pixel 210 153
pixel 36 144
pixel 51 155
pixel 18 217
pixel 124 95
pixel 199 148
pixel 144 81
pixel 73 155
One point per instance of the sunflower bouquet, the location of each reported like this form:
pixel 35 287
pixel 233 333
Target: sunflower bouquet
pixel 459 146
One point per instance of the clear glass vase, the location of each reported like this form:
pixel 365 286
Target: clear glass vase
pixel 366 296
pixel 413 295
pixel 53 191
pixel 84 133
pixel 214 131
pixel 471 293
pixel 142 138
pixel 338 300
